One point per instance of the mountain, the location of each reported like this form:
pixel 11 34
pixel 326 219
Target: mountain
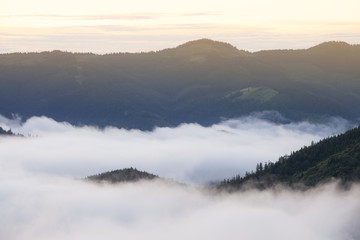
pixel 201 81
pixel 337 157
pixel 123 175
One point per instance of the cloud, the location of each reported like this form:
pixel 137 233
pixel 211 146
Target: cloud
pixel 189 153
pixel 42 199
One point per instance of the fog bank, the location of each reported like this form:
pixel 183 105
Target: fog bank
pixel 41 199
pixel 188 153
pixel 43 207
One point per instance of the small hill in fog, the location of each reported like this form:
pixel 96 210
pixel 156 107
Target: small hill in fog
pixel 122 175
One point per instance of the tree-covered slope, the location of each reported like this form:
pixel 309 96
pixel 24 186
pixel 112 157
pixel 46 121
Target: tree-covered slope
pixel 337 157
pixel 200 81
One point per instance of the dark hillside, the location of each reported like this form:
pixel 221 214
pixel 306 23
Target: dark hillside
pixel 123 175
pixel 336 157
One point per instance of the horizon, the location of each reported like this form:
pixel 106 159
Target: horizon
pixel 142 26
pixel 173 47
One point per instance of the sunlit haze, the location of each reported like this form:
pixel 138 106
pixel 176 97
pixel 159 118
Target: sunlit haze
pixel 135 26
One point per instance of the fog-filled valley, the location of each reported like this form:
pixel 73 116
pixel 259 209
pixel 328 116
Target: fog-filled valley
pixel 44 195
pixel 189 153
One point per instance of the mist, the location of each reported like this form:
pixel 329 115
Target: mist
pixel 43 194
pixel 189 153
pixel 47 207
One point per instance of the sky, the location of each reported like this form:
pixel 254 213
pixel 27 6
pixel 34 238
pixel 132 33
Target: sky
pixel 43 194
pixel 134 26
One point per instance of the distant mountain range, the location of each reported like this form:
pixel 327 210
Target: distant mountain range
pixel 336 157
pixel 200 81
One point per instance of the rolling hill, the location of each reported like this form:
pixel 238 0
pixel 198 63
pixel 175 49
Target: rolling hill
pixel 122 175
pixel 200 81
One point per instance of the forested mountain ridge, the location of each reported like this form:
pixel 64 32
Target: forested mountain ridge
pixel 200 81
pixel 337 157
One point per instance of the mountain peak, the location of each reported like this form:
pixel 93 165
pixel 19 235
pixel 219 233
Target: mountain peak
pixel 341 50
pixel 208 46
pixel 206 43
pixel 331 46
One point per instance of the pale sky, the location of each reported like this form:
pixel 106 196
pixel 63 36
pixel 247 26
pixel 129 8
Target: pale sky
pixel 133 26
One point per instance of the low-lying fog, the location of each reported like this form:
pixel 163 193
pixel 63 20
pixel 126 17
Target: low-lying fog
pixel 189 153
pixel 41 196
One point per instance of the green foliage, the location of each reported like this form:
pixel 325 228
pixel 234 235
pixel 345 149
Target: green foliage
pixel 258 94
